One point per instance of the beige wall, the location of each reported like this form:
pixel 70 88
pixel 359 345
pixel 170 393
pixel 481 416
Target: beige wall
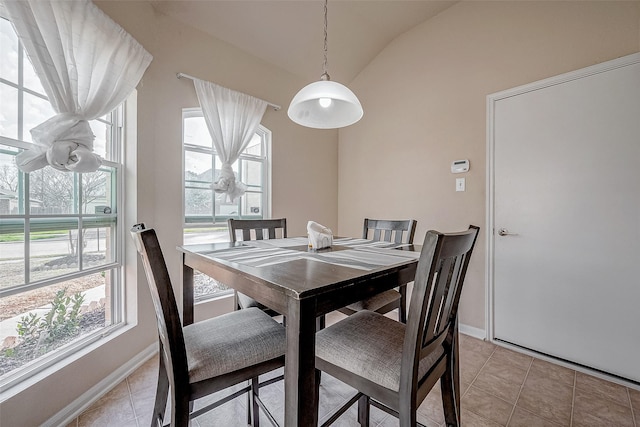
pixel 304 179
pixel 424 100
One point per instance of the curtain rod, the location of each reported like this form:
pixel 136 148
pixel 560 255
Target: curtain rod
pixel 187 76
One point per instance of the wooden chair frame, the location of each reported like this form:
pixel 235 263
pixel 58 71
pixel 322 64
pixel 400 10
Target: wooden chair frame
pixel 432 323
pixel 258 226
pixel 402 231
pixel 173 371
pixel 396 231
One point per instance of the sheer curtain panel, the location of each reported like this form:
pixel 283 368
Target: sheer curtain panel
pixel 232 119
pixel 87 64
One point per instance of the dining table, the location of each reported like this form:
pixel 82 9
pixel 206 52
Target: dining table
pixel 301 284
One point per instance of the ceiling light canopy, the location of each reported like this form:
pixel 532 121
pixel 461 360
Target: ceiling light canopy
pixel 325 104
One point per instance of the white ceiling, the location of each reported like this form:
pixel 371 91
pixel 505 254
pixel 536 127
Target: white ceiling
pixel 290 34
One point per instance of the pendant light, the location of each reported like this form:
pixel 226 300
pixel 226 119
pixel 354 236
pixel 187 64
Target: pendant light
pixel 325 104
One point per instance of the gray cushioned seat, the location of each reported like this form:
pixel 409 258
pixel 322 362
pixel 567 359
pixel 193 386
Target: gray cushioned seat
pixel 370 345
pixel 232 341
pixel 376 302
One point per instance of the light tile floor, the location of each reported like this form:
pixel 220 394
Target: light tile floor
pixel 500 387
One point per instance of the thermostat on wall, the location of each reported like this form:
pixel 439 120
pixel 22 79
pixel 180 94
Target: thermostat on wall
pixel 459 166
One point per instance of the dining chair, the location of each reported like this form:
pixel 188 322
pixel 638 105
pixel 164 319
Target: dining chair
pixel 208 356
pixel 392 365
pixel 255 229
pixel 396 231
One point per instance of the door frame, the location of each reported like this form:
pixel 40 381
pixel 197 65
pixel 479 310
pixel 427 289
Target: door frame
pixel 492 99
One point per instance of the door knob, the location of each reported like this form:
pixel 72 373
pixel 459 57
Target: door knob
pixel 505 232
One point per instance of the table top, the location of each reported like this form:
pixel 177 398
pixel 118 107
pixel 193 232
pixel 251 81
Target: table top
pixel 289 266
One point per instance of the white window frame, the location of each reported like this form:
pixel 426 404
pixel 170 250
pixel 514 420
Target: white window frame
pixel 221 220
pixel 116 217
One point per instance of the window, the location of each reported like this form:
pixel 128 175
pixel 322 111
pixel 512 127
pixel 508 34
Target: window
pixel 205 212
pixel 60 237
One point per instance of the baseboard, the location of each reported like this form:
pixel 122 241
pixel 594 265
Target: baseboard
pixel 75 408
pixel 472 331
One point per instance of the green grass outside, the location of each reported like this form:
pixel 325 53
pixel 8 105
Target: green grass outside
pixel 38 235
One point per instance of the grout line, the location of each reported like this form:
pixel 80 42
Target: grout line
pixel 513 410
pixel 471 385
pixel 573 397
pixel 479 416
pixel 596 392
pixel 633 412
pixel 477 374
pixel 133 406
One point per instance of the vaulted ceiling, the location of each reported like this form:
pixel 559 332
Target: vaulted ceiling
pixel 290 34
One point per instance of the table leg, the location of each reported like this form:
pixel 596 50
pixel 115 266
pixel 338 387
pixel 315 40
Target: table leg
pixel 402 310
pixel 187 294
pixel 300 394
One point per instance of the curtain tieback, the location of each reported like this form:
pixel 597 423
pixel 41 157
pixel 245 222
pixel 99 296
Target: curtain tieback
pixel 64 142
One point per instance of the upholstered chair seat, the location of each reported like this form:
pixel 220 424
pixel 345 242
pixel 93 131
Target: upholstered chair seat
pixel 369 345
pixel 232 342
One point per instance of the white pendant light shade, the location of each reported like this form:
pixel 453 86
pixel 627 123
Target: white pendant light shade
pixel 325 105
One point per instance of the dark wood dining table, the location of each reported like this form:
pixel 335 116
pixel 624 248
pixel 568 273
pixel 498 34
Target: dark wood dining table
pixel 284 275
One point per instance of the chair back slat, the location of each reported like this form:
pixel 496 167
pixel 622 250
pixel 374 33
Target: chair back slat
pixel 439 308
pixel 397 231
pixel 254 229
pixel 434 301
pixel 164 302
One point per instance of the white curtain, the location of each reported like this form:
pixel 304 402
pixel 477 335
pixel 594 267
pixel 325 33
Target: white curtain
pixel 232 119
pixel 87 64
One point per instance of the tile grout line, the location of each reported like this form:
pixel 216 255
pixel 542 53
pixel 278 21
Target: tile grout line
pixel 471 384
pixel 573 397
pixel 633 412
pixel 595 394
pixel 131 398
pixel 478 373
pixel 133 406
pixel 513 410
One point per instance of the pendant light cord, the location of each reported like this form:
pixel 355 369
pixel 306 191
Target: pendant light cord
pixel 325 75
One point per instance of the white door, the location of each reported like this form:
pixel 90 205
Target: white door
pixel 565 172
